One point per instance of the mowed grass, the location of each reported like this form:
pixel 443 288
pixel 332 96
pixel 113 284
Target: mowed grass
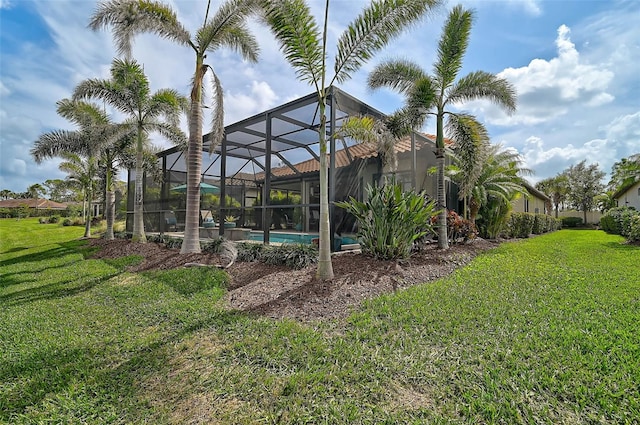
pixel 545 330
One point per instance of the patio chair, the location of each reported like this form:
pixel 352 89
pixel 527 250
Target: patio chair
pixel 170 221
pixel 288 222
pixel 207 219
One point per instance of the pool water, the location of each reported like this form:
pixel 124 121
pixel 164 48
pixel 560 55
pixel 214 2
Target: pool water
pixel 306 238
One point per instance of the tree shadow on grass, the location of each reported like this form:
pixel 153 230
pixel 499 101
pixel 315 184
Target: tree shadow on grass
pixel 115 377
pixel 57 250
pixel 53 290
pixel 622 246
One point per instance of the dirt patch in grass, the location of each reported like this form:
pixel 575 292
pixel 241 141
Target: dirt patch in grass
pixel 280 292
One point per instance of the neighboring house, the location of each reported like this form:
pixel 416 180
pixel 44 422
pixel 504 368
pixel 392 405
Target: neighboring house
pixel 537 202
pixel 37 204
pixel 629 196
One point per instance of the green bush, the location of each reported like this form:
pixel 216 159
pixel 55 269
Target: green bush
pixel 213 247
pixel 618 221
pixel 519 225
pixel 571 221
pixel 390 220
pixel 633 234
pixel 249 252
pixel 54 219
pixel 67 222
pixel 43 220
pixel 296 256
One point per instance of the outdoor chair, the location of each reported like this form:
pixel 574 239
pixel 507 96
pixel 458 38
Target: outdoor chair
pixel 207 219
pixel 170 221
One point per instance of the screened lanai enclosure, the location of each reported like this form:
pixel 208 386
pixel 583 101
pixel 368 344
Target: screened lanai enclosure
pixel 262 182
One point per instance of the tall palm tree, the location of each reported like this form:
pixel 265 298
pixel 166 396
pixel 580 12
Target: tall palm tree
pixel 226 28
pixel 95 133
pixel 305 47
pixel 431 95
pixel 128 91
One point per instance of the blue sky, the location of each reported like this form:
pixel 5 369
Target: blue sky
pixel 575 64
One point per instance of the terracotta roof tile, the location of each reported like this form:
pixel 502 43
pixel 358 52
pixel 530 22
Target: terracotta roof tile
pixel 359 151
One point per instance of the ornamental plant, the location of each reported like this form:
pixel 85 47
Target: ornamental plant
pixel 390 220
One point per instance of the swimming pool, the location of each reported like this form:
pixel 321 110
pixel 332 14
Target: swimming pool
pixel 285 237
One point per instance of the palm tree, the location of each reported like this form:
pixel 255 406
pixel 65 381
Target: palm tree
pixel 128 91
pixel 226 28
pixel 557 188
pixel 305 47
pixel 36 191
pixel 94 135
pixel 82 173
pixel 431 95
pixel 500 178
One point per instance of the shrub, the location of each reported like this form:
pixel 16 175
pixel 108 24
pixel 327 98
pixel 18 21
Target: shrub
pixel 519 225
pixel 213 247
pixel 43 220
pixel 633 234
pixel 173 243
pixel 296 256
pixel 391 220
pixel 122 235
pixel 249 252
pixel 67 222
pixel 571 221
pixel 617 220
pixel 54 219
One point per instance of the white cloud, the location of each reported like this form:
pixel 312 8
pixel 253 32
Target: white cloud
pixel 240 105
pixel 5 4
pixel 548 89
pixel 620 139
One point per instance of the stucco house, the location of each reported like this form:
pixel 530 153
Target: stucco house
pixel 537 202
pixel 629 196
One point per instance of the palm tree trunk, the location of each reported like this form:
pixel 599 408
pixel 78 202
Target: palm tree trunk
pixel 110 205
pixel 443 239
pixel 87 217
pixel 110 214
pixel 325 267
pixel 191 242
pixel 138 201
pixel 474 207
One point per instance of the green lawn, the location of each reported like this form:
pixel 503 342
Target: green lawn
pixel 545 330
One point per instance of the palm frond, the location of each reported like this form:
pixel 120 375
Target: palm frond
pixel 481 84
pixel 373 29
pixel 227 28
pixel 129 18
pixel 169 132
pixel 295 29
pixel 397 74
pixel 217 119
pixel 453 45
pixel 167 103
pixel 56 142
pixel 471 141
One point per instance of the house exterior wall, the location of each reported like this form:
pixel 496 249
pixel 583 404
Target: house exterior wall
pixel 532 204
pixel 630 198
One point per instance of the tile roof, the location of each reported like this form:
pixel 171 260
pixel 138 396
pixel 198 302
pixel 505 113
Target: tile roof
pixel 44 204
pixel 359 151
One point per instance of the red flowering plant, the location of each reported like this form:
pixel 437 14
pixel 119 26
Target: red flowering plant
pixel 458 229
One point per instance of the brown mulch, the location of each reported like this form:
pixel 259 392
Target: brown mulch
pixel 280 292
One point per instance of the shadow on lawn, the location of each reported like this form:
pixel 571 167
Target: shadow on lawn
pixel 623 246
pixel 57 250
pixel 54 290
pixel 109 376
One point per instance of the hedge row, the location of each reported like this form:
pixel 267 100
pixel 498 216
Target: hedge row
pixel 622 221
pixel 521 225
